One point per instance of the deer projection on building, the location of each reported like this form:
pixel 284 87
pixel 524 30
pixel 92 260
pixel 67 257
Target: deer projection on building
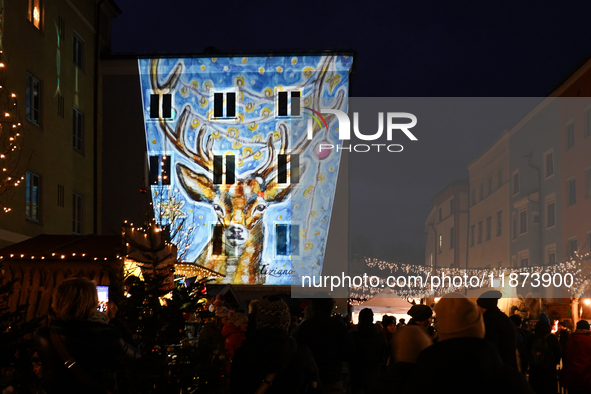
pixel 239 207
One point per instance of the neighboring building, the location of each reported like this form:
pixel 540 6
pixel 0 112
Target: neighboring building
pixel 488 224
pixel 536 221
pixel 574 145
pixel 445 228
pixel 50 58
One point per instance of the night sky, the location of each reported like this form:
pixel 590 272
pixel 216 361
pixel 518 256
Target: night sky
pixel 405 49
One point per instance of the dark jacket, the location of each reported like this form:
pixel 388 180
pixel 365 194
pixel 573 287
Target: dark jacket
pixel 99 349
pixel 370 346
pixel 271 350
pixel 464 365
pixel 502 333
pixel 330 343
pixel 576 374
pixel 543 378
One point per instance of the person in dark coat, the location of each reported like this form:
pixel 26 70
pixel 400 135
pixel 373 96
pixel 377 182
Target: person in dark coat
pixel 422 316
pixel 98 350
pixel 330 344
pixel 544 355
pixel 500 331
pixel 576 374
pixel 370 346
pixel 270 354
pixel 522 355
pixel 462 361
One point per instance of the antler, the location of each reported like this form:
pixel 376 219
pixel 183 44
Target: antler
pixel 203 157
pixel 270 164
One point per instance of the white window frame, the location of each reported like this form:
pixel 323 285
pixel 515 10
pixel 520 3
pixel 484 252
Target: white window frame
pixel 515 190
pixel 78 51
pixel 550 249
pixel 77 130
pixel 33 107
pixel 522 255
pixel 77 213
pixel 29 197
pixel 568 191
pixel 519 219
pixel 550 198
pixel 546 175
pixel 570 240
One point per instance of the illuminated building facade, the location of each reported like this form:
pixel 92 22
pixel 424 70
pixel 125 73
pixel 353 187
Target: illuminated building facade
pixel 50 54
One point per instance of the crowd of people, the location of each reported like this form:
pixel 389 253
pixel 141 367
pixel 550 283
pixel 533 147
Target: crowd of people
pixel 472 347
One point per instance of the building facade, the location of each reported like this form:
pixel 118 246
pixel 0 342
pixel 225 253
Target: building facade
pixel 50 51
pixel 445 228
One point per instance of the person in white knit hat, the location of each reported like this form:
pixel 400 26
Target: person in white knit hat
pixel 462 361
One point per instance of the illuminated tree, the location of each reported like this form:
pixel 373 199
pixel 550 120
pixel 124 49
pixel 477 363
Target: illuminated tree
pixel 10 141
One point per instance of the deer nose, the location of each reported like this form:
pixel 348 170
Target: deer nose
pixel 236 234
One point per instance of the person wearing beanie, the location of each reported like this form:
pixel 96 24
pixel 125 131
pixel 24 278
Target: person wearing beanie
pixel 420 315
pixel 500 331
pixel 329 341
pixel 234 331
pixel 271 354
pixel 462 361
pixel 407 343
pixel 576 374
pixel 370 346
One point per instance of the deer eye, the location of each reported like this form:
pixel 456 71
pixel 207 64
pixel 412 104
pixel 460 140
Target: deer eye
pixel 260 208
pixel 217 208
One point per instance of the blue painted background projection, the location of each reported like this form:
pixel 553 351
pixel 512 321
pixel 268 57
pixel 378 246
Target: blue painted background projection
pixel 266 228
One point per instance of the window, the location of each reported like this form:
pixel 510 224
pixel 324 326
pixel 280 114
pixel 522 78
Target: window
pixel 60 105
pixel 157 110
pixel 287 240
pixel 77 212
pixel 440 243
pixel 516 182
pixel 490 186
pixel 523 221
pixel 572 192
pixel 283 106
pixel 451 207
pixel 32 196
pixel 523 258
pixel 33 100
pixel 78 130
pixel 218 169
pixel 588 129
pixel 481 194
pixel 551 254
pixel 78 51
pixel 217 245
pixel 550 211
pixel 514 224
pixel 473 196
pixel 60 196
pixel 548 164
pixel 570 136
pixel 488 227
pixel 480 232
pixel 500 178
pixel 440 214
pixel 218 105
pixel 160 170
pixel 35 13
pixel 472 231
pixel 572 243
pixel 294 169
pixel 588 182
pixel 452 238
pixel 499 223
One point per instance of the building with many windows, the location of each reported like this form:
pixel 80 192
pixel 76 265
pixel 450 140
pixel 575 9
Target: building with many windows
pixel 445 228
pixel 50 52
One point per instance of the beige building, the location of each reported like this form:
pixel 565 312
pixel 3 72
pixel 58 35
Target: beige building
pixel 445 228
pixel 49 50
pixel 488 222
